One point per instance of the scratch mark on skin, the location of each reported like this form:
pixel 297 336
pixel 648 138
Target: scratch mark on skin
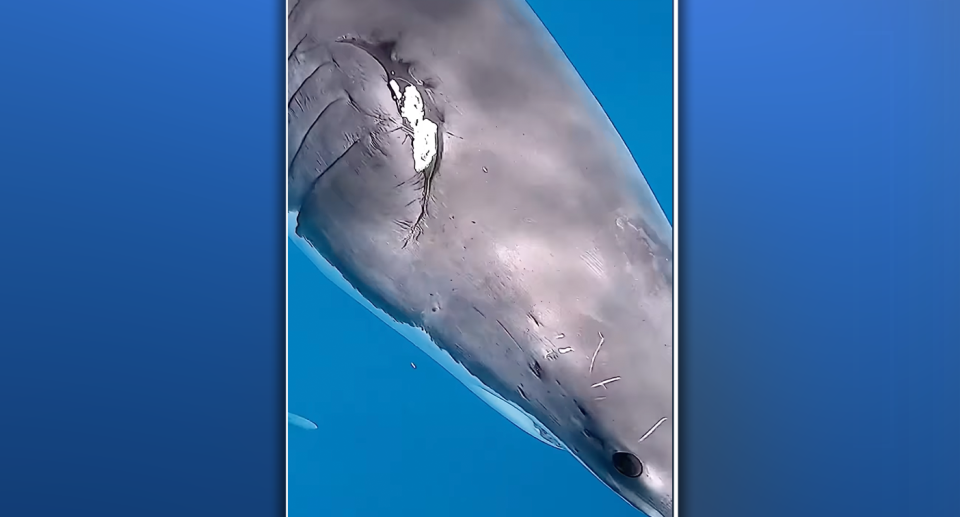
pixel 536 369
pixel 604 383
pixel 595 352
pixel 511 335
pixel 309 129
pixel 533 317
pixel 300 88
pixel 652 429
pixel 522 393
pixel 295 47
pixel 292 9
pixel 316 180
pixel 565 350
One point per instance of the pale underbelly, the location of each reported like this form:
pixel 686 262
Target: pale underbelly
pixel 418 337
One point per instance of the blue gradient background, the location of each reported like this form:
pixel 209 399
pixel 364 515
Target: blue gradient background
pixel 141 283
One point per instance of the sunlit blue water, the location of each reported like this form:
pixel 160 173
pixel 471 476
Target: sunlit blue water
pixel 397 441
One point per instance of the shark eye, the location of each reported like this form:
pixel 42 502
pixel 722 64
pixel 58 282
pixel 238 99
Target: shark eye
pixel 627 464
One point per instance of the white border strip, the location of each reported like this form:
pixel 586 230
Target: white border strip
pixel 286 262
pixel 676 246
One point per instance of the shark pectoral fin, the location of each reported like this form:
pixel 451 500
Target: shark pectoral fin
pixel 300 422
pixel 516 415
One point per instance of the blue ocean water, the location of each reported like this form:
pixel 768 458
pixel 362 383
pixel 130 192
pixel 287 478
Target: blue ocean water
pixel 397 440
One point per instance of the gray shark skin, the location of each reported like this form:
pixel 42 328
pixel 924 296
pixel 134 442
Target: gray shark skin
pixel 447 160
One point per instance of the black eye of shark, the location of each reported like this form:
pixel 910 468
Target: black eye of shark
pixel 627 464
